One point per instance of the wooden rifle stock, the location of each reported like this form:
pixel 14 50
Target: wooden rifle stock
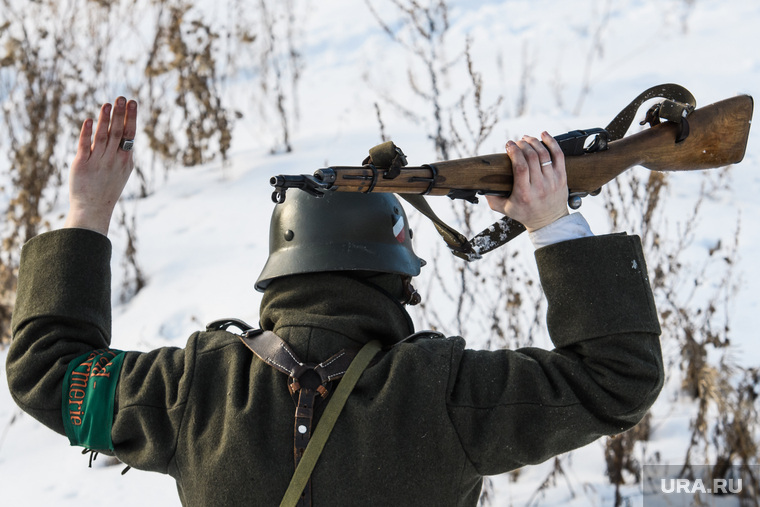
pixel 717 137
pixel 691 139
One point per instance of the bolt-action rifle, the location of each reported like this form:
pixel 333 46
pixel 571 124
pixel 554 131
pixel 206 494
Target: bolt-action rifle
pixel 689 139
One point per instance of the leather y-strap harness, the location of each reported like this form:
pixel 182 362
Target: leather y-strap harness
pixel 308 382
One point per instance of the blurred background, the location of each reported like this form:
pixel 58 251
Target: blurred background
pixel 232 92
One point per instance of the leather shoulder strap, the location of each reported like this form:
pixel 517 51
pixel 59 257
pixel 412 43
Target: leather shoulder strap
pixel 270 348
pixel 273 351
pixel 326 423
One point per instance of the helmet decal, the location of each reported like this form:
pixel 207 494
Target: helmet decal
pixel 398 229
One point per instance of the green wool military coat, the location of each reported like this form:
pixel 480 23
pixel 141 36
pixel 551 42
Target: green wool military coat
pixel 426 421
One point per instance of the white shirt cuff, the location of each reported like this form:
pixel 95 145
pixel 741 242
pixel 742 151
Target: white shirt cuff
pixel 572 226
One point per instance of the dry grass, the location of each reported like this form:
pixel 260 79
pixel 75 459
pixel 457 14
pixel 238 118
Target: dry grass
pixel 58 58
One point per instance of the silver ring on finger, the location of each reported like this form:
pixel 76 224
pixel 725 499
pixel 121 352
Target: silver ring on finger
pixel 544 164
pixel 127 144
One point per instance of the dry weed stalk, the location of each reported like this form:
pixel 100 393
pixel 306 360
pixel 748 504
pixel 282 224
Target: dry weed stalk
pixel 57 57
pixel 423 34
pixel 7 297
pixel 134 279
pixel 55 60
pixel 595 51
pixel 486 117
pixel 527 68
pixel 550 481
pixel 263 46
pixel 183 53
pixel 693 311
pixel 487 492
pixel 281 65
pixel 35 64
pixel 694 299
pixel 458 129
pixel 620 458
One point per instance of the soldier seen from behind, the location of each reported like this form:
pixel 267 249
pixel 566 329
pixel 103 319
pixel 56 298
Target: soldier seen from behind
pixel 427 418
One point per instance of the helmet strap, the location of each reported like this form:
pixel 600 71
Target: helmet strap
pixel 411 296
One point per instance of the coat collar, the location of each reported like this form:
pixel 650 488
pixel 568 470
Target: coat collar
pixel 317 314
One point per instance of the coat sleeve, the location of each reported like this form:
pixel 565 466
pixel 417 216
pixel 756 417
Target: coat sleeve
pixel 62 312
pixel 516 407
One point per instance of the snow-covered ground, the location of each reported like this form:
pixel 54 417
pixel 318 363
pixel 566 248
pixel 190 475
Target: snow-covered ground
pixel 202 236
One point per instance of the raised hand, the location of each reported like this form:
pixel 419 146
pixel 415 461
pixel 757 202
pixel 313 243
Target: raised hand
pixel 102 166
pixel 539 191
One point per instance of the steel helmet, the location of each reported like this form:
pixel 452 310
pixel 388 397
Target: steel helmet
pixel 341 231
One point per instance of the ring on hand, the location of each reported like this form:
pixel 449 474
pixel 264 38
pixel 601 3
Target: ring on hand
pixel 546 163
pixel 127 144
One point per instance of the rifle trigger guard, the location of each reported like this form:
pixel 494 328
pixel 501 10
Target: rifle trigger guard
pixel 467 195
pixel 574 143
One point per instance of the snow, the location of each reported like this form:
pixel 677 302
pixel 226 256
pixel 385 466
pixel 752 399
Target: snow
pixel 202 236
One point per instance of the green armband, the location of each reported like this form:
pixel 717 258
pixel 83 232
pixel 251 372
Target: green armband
pixel 88 398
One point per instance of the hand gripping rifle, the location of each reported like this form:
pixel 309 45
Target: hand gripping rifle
pixel 688 139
